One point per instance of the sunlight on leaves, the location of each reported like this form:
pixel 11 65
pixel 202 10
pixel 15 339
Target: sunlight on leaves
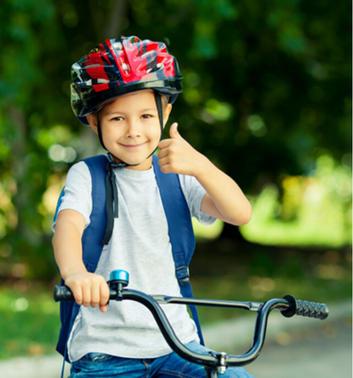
pixel 314 210
pixel 205 233
pixel 220 111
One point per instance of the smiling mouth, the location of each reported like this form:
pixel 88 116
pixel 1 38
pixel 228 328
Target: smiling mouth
pixel 133 145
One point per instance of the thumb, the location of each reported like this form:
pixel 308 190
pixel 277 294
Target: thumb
pixel 173 131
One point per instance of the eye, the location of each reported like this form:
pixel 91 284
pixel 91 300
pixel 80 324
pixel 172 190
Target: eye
pixel 117 119
pixel 146 116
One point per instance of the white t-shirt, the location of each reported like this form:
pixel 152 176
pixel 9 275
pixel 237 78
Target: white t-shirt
pixel 140 245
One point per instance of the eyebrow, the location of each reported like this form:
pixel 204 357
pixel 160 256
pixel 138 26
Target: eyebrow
pixel 122 112
pixel 148 110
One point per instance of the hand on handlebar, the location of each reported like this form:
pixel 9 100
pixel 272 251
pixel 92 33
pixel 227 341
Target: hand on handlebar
pixel 89 289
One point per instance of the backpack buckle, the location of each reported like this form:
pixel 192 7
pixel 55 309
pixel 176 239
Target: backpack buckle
pixel 183 275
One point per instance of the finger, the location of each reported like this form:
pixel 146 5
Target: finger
pixel 164 144
pixel 95 295
pixel 77 292
pixel 162 153
pixel 163 162
pixel 103 308
pixel 86 295
pixel 104 295
pixel 166 168
pixel 173 131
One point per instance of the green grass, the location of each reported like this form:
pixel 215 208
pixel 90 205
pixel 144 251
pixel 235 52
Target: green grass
pixel 29 322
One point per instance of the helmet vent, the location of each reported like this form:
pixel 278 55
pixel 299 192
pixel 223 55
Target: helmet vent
pixel 92 66
pixel 111 76
pixel 102 81
pixel 118 45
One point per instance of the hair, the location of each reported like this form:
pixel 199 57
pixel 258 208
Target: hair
pixel 165 100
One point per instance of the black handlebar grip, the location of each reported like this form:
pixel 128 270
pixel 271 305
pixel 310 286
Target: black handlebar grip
pixel 312 309
pixel 305 308
pixel 63 293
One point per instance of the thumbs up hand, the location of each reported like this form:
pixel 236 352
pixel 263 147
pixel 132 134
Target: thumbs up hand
pixel 173 131
pixel 223 199
pixel 176 155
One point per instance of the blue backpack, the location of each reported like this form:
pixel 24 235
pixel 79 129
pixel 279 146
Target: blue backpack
pixel 180 230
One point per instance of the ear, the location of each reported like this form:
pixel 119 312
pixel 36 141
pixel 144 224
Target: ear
pixel 166 113
pixel 92 120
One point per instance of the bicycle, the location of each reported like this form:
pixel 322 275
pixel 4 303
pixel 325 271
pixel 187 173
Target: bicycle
pixel 216 362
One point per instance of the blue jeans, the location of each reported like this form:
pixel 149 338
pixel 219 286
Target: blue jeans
pixel 171 365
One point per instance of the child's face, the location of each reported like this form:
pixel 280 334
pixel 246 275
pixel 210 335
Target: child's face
pixel 131 128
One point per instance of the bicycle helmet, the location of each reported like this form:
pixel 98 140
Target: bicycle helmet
pixel 121 65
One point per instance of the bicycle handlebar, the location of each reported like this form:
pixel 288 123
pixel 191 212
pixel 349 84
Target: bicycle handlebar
pixel 288 306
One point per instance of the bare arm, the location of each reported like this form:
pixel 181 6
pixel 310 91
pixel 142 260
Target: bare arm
pixel 88 288
pixel 224 199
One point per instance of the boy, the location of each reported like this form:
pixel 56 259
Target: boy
pixel 124 90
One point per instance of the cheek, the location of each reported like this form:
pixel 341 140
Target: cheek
pixel 106 134
pixel 110 130
pixel 157 134
pixel 154 131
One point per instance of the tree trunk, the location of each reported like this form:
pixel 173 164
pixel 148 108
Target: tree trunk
pixel 108 24
pixel 18 167
pixel 115 24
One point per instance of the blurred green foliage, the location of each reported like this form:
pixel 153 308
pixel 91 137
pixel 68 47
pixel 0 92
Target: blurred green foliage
pixel 28 321
pixel 314 210
pixel 266 95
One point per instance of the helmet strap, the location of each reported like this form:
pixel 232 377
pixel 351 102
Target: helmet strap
pixel 158 98
pixel 99 129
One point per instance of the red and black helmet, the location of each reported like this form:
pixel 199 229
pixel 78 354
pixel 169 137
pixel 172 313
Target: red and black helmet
pixel 122 65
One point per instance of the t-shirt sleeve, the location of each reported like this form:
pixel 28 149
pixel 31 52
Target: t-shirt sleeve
pixel 194 193
pixel 78 192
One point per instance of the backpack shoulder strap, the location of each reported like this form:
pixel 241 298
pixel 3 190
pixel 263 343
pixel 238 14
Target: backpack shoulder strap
pixel 91 238
pixel 94 233
pixel 180 231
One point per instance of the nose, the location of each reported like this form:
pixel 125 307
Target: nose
pixel 133 130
